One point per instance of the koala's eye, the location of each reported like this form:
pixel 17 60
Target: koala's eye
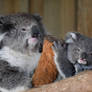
pixel 23 29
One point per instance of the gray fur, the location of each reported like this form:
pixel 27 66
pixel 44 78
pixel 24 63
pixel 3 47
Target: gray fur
pixel 19 54
pixel 80 48
pixel 73 55
pixel 65 68
pixel 14 25
pixel 10 77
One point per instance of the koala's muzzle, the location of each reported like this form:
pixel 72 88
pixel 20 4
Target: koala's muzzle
pixel 35 32
pixel 84 55
pixel 83 58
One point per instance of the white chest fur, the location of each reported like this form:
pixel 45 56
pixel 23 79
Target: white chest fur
pixel 18 89
pixel 26 62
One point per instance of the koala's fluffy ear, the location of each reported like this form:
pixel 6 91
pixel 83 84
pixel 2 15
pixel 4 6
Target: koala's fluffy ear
pixel 70 37
pixel 6 27
pixel 37 17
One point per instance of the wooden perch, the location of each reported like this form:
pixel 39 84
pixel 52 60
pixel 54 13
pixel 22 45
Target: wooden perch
pixel 79 83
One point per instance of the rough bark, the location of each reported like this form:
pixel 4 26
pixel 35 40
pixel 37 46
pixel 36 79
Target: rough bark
pixel 79 83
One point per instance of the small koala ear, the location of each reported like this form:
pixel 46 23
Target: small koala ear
pixel 70 37
pixel 37 16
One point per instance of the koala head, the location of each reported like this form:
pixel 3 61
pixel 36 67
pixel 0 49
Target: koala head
pixel 79 48
pixel 22 32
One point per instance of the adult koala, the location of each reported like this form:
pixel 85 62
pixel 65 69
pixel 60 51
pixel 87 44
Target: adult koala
pixel 21 42
pixel 74 56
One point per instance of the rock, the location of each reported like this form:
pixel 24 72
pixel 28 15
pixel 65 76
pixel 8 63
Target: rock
pixel 81 82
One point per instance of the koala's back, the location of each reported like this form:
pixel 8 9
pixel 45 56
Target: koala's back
pixel 11 77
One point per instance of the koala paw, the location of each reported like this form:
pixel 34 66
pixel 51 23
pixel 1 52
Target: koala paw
pixel 57 46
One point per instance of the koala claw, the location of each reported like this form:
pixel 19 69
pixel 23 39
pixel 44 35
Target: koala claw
pixel 57 46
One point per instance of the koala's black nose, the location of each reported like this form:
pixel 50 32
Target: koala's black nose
pixel 35 32
pixel 84 55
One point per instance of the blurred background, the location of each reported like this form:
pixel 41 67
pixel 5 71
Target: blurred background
pixel 59 16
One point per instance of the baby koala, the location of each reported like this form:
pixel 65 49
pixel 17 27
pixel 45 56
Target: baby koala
pixel 63 65
pixel 21 43
pixel 79 51
pixel 75 57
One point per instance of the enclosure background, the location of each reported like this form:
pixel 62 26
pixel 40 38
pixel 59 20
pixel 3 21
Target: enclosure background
pixel 59 16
